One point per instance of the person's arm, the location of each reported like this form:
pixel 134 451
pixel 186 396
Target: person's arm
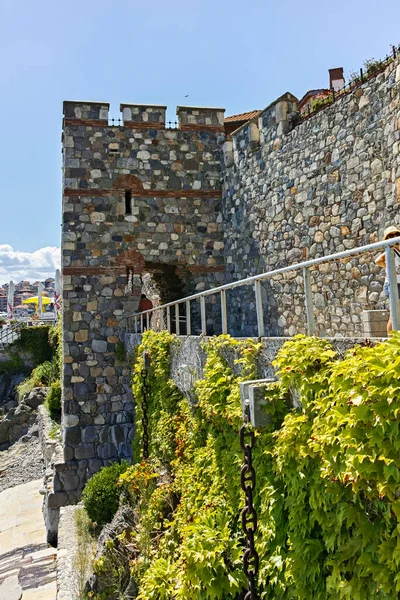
pixel 381 260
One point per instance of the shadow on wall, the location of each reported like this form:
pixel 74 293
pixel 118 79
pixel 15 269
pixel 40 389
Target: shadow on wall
pixel 242 315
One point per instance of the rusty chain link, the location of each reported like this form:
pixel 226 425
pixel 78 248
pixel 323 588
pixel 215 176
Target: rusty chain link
pixel 249 515
pixel 145 421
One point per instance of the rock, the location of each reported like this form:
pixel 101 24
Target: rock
pixel 5 426
pixel 36 397
pixel 99 345
pixel 364 101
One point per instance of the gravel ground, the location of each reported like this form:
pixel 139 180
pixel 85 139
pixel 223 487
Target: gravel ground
pixel 21 462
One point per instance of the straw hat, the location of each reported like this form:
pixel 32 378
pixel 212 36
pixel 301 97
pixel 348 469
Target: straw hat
pixel 389 230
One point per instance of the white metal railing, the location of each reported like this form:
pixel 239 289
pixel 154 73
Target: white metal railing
pixel 9 333
pixel 305 267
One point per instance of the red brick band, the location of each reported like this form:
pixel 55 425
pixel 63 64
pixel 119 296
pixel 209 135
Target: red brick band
pixel 143 125
pixel 197 127
pixel 87 122
pixel 137 268
pixel 102 270
pixel 147 193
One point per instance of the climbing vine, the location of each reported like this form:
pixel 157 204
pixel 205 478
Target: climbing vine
pixel 328 475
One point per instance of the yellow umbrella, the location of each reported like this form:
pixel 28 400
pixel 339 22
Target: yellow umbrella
pixel 35 300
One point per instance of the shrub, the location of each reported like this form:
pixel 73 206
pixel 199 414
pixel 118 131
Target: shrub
pixel 53 399
pixel 321 102
pixel 372 65
pixel 35 340
pixel 327 469
pixel 43 375
pixel 101 493
pixel 13 365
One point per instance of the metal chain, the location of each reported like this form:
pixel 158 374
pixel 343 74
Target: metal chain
pixel 145 421
pixel 249 515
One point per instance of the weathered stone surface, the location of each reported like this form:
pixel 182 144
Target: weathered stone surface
pixel 99 346
pixel 339 204
pixel 36 397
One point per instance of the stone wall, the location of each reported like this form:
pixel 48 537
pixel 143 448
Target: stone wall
pixel 188 358
pixel 137 198
pixel 299 192
pixel 184 205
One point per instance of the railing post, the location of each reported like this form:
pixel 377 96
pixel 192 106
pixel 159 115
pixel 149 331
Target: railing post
pixel 308 301
pixel 141 323
pixel 188 322
pixel 169 318
pixel 259 309
pixel 136 325
pixel 224 315
pixel 148 321
pixel 203 315
pixel 393 291
pixel 177 327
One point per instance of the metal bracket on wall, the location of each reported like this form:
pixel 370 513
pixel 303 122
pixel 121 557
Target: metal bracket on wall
pixel 252 392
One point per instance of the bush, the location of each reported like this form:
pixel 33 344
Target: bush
pixel 101 493
pixel 13 365
pixel 35 340
pixel 53 399
pixel 43 375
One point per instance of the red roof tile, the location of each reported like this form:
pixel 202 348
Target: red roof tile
pixel 243 116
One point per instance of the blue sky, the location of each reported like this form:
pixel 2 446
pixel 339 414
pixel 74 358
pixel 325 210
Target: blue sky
pixel 239 55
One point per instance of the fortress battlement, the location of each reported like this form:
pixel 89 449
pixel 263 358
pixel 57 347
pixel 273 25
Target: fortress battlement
pixel 143 116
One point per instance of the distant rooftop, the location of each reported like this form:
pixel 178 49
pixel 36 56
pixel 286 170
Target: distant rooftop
pixel 243 116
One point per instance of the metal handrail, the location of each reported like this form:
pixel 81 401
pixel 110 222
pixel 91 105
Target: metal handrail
pixel 305 267
pixel 9 333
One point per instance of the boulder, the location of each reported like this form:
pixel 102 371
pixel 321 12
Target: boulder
pixel 36 397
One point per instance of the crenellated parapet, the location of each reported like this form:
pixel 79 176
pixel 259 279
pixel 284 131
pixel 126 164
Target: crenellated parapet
pixel 275 120
pixel 143 116
pixel 91 113
pixel 195 117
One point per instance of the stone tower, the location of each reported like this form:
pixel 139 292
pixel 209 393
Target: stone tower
pixel 137 198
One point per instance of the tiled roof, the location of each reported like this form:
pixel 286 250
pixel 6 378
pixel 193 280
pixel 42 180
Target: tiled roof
pixel 243 116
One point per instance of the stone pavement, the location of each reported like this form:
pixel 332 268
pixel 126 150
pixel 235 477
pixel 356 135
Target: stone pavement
pixel 27 562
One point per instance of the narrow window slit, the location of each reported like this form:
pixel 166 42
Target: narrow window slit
pixel 128 202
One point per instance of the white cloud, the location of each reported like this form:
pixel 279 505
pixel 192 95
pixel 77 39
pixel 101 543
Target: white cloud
pixel 37 265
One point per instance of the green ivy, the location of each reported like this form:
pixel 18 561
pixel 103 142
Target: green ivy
pixel 327 465
pixel 36 342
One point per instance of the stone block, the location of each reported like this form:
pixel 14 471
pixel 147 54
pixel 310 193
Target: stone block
pixel 99 346
pixel 72 436
pixel 107 451
pixel 70 481
pixel 81 335
pixel 56 500
pixel 90 434
pixel 84 451
pixel 374 323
